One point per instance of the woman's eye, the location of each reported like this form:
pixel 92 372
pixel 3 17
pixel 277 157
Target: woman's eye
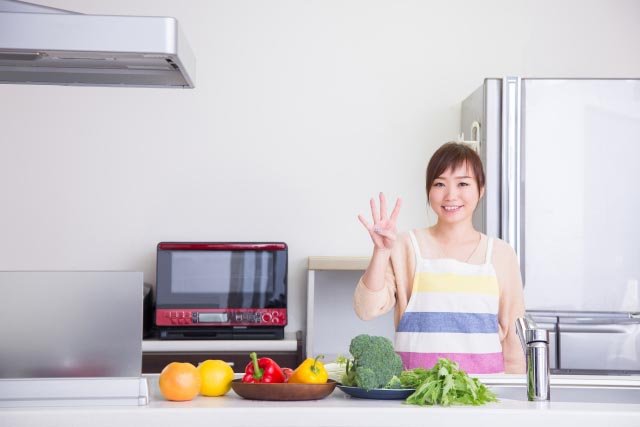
pixel 438 184
pixel 464 184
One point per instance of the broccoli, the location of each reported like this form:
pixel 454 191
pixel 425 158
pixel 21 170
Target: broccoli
pixel 374 363
pixel 394 382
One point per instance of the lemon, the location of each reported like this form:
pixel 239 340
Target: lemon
pixel 216 377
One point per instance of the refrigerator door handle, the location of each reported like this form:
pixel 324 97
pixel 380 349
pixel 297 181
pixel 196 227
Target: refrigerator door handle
pixel 511 191
pixel 475 133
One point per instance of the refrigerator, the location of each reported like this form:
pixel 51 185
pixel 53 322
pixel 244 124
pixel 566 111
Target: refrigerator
pixel 562 159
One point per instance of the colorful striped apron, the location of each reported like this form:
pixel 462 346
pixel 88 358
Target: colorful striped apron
pixel 453 313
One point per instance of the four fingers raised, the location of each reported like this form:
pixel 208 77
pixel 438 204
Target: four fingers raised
pixel 381 215
pixel 383 206
pixel 396 209
pixel 374 211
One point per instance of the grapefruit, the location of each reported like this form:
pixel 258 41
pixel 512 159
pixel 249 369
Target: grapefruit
pixel 180 381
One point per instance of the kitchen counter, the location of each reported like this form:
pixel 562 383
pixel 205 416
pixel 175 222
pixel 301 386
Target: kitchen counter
pixel 337 409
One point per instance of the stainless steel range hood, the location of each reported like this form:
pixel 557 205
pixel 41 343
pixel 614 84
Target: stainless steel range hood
pixel 42 45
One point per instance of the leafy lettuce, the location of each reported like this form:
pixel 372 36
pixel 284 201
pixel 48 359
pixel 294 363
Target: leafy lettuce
pixel 445 384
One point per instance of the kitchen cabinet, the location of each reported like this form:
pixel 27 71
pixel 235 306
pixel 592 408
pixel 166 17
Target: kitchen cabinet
pixel 156 354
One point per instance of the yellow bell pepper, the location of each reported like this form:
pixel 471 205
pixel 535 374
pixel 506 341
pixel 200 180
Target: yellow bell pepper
pixel 311 371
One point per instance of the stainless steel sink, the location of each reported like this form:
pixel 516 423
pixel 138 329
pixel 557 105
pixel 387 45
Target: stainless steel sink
pixel 574 394
pixel 571 388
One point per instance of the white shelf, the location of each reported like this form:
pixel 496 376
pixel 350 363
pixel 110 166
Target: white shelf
pixel 289 343
pixel 337 263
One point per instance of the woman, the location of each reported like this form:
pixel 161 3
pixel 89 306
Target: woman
pixel 456 292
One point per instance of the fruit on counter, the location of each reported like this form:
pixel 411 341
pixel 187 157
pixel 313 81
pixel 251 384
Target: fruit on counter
pixel 445 384
pixel 263 370
pixel 374 363
pixel 311 371
pixel 216 377
pixel 179 381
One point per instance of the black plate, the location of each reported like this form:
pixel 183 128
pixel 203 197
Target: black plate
pixel 377 393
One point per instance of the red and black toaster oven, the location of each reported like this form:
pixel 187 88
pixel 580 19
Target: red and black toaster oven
pixel 221 290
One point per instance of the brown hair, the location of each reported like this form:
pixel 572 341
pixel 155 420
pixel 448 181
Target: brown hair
pixel 451 156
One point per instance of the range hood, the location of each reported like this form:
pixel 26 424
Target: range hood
pixel 43 45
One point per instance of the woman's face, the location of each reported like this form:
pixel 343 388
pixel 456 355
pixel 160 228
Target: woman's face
pixel 454 195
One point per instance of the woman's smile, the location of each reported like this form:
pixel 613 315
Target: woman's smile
pixel 455 194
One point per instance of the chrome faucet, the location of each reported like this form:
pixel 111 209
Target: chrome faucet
pixel 535 344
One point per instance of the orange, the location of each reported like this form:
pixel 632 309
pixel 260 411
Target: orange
pixel 216 377
pixel 179 381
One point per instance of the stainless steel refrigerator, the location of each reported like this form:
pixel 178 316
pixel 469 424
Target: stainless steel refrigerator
pixel 562 158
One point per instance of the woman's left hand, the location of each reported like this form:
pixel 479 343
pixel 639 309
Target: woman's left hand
pixel 383 230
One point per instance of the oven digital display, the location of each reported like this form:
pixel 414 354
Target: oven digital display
pixel 212 317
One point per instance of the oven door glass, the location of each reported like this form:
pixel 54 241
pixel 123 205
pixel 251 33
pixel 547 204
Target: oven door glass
pixel 222 278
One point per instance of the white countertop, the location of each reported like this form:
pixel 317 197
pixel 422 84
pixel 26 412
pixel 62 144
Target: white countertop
pixel 337 409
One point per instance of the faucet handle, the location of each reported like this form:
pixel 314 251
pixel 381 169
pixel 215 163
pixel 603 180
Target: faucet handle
pixel 522 326
pixel 528 331
pixel 537 335
pixel 535 344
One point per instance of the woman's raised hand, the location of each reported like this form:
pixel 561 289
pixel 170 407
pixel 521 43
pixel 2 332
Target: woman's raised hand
pixel 383 230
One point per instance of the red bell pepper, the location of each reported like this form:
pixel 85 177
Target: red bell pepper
pixel 287 374
pixel 263 370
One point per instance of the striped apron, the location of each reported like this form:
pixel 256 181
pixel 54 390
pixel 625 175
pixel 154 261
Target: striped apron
pixel 453 313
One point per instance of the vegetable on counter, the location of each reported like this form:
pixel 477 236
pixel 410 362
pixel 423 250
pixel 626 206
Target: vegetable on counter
pixel 375 364
pixel 287 373
pixel 263 370
pixel 445 384
pixel 336 368
pixel 311 371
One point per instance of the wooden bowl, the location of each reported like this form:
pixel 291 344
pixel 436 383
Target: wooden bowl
pixel 282 391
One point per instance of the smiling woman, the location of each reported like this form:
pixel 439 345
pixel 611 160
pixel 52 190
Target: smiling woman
pixel 455 185
pixel 456 292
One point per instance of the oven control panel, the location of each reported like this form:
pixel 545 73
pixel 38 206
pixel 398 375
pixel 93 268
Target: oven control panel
pixel 221 317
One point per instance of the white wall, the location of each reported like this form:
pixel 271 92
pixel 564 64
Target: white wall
pixel 302 111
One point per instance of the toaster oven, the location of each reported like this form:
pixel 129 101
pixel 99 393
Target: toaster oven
pixel 215 290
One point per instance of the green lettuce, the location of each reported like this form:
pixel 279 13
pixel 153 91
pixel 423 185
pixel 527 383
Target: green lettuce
pixel 445 384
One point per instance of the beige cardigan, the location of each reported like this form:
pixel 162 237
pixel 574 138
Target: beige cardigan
pixel 399 281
